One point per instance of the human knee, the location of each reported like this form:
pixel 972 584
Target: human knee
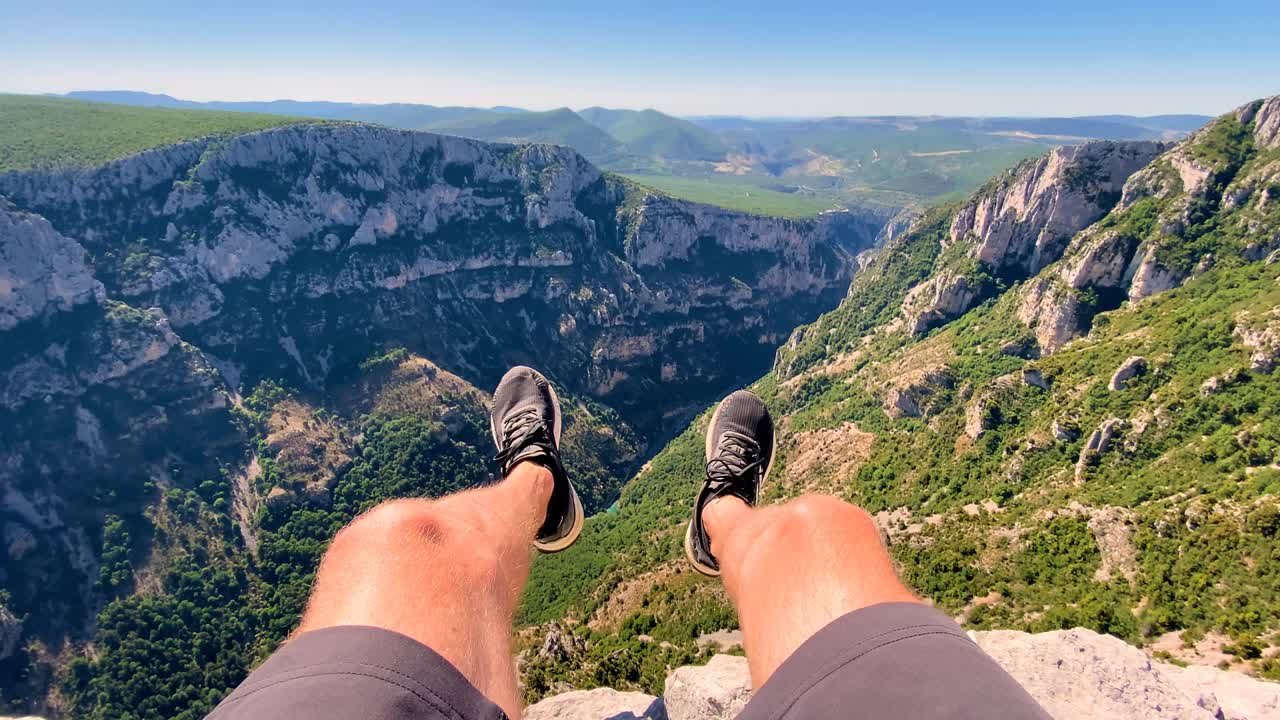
pixel 820 516
pixel 423 527
pixel 394 521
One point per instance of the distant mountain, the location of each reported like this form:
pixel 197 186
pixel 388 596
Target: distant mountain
pixel 557 127
pixel 651 133
pixel 793 167
pixel 409 116
pixel 1179 123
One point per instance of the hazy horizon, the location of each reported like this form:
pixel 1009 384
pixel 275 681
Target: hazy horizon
pixel 579 108
pixel 808 59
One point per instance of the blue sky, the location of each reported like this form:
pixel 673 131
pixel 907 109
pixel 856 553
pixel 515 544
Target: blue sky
pixel 793 58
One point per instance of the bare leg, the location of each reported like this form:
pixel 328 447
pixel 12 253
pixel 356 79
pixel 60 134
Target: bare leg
pixel 792 569
pixel 447 573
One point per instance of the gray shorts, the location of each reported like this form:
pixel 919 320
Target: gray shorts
pixel 896 660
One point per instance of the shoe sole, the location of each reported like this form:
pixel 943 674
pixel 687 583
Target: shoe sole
pixel 579 517
pixel 688 531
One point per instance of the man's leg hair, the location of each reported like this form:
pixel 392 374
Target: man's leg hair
pixel 447 573
pixel 792 569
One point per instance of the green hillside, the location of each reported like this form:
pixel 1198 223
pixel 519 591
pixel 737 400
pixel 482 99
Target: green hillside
pixel 737 194
pixel 54 132
pixel 557 127
pixel 658 135
pixel 989 500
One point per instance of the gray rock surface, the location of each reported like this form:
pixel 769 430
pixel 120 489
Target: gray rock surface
pixel 10 633
pixel 1266 130
pixel 41 271
pixel 1025 225
pixel 1129 369
pixel 715 691
pixel 1075 674
pixel 1081 674
pixel 1261 335
pixel 248 241
pixel 1024 221
pixel 1099 442
pixel 598 704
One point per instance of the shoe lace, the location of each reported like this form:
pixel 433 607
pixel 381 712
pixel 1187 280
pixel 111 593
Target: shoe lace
pixel 735 457
pixel 521 430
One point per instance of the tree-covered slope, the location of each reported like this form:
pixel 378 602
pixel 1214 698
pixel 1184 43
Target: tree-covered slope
pixel 43 132
pixel 1123 475
pixel 653 134
pixel 556 127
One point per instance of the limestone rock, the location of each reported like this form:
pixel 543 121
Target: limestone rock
pixel 1065 430
pixel 598 704
pixel 41 271
pixel 1034 378
pixel 1129 369
pixel 1026 225
pixel 560 644
pixel 1150 277
pixel 1074 674
pixel 1266 131
pixel 944 296
pixel 1099 442
pixel 1081 674
pixel 1261 335
pixel 10 633
pixel 718 690
pixel 1019 226
pixel 980 416
pixel 1052 311
pixel 910 394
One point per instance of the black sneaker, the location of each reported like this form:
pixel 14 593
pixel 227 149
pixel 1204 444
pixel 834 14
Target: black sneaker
pixel 525 422
pixel 740 445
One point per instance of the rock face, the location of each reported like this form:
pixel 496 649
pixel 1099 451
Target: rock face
pixel 1074 674
pixel 1266 131
pixel 10 633
pixel 1024 225
pixel 1099 443
pixel 1129 369
pixel 598 704
pixel 719 689
pixel 1262 337
pixel 1081 674
pixel 419 238
pixel 1146 245
pixel 1022 222
pixel 40 270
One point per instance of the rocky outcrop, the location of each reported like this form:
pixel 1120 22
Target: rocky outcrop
pixel 1074 674
pixel 910 394
pixel 1129 369
pixel 41 271
pixel 940 298
pixel 1023 224
pixel 719 689
pixel 1261 336
pixel 10 633
pixel 1052 311
pixel 1099 442
pixel 1024 221
pixel 598 704
pixel 1266 129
